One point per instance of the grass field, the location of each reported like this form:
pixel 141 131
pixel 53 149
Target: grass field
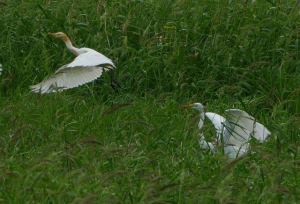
pixel 92 145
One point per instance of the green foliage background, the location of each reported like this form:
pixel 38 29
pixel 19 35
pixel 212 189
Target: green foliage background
pixel 90 144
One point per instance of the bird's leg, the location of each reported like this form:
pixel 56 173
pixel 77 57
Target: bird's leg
pixel 112 81
pixel 117 83
pixel 204 144
pixel 113 86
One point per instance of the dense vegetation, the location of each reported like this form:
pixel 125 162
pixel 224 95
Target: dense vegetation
pixel 90 144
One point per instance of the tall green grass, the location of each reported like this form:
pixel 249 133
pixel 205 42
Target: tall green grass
pixel 90 144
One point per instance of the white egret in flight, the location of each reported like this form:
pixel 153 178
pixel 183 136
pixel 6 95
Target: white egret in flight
pixel 86 67
pixel 233 132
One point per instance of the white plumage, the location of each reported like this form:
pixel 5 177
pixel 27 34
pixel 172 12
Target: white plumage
pixel 233 132
pixel 86 67
pixel 90 58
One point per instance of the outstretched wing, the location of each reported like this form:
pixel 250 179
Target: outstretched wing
pixel 85 68
pixel 91 58
pixel 236 133
pixel 67 78
pixel 218 122
pixel 249 123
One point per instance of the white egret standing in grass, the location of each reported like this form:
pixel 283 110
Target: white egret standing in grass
pixel 0 69
pixel 86 67
pixel 233 132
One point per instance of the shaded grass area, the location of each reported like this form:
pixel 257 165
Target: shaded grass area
pixel 92 145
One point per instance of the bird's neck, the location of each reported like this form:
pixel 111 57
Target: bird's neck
pixel 201 122
pixel 69 45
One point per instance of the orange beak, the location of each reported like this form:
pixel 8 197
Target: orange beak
pixel 53 34
pixel 188 106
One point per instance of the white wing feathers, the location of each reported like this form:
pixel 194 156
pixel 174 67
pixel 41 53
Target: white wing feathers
pixel 85 68
pixel 248 124
pixel 91 58
pixel 218 122
pixel 67 79
pixel 236 128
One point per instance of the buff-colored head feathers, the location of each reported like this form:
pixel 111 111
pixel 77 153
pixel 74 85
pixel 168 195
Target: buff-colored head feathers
pixel 60 35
